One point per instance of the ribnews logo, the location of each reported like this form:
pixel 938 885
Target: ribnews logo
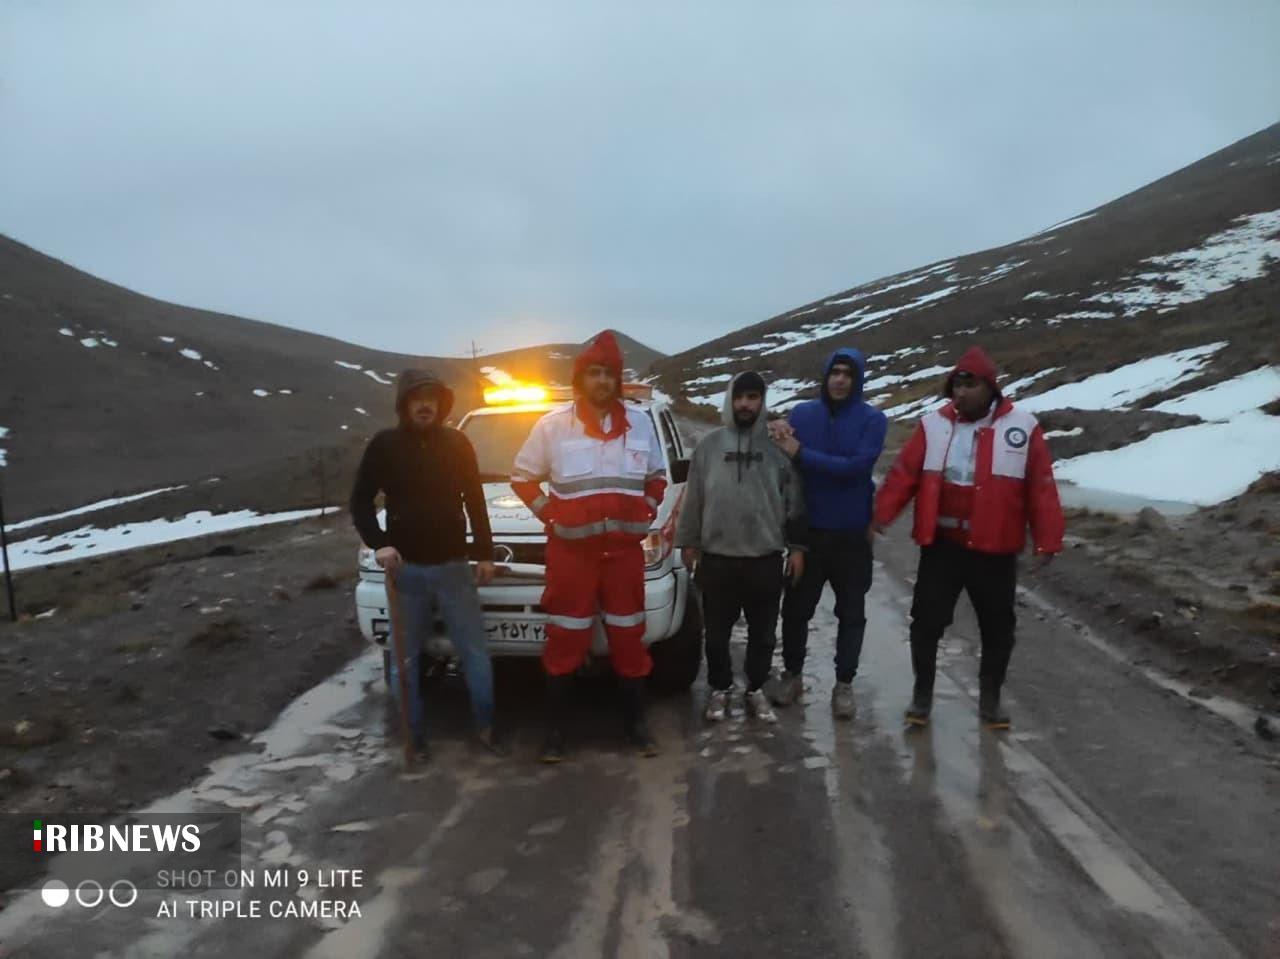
pixel 93 837
pixel 58 854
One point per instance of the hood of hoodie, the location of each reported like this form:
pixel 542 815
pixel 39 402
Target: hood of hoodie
pixel 857 361
pixel 413 379
pixel 761 428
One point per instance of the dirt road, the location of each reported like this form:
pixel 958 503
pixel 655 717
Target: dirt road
pixel 1118 819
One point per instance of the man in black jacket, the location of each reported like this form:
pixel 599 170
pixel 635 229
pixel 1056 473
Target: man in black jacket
pixel 428 474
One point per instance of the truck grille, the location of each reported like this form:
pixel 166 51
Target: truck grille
pixel 521 552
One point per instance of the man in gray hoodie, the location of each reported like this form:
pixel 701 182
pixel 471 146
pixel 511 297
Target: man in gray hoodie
pixel 743 509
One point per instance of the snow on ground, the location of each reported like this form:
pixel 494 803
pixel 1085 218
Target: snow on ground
pixel 857 320
pixel 1126 384
pixel 1203 464
pixel 1066 223
pixel 716 361
pixel 717 380
pixel 166 339
pixel 557 355
pixel 89 541
pixel 91 508
pixel 1004 269
pixel 1083 315
pixel 1075 431
pixel 746 347
pixel 911 280
pixel 66 332
pixel 285 392
pixel 261 392
pixel 496 376
pixel 211 366
pixel 1012 389
pixel 89 342
pixel 3 433
pixel 1228 398
pixel 360 411
pixel 376 378
pixel 915 408
pixel 1042 295
pixel 349 366
pixel 1239 253
pixel 784 393
pixel 190 354
pixel 893 379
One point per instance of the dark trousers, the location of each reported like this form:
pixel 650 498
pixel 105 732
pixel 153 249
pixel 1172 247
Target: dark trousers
pixel 990 579
pixel 843 559
pixel 733 586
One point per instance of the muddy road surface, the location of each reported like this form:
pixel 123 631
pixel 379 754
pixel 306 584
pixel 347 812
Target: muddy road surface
pixel 1118 818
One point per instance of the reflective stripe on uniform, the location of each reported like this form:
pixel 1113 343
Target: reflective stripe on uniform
pixel 600 528
pixel 570 622
pixel 632 619
pixel 538 504
pixel 950 522
pixel 653 503
pixel 599 484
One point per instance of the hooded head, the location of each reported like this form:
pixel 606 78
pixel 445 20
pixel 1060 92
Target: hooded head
pixel 979 368
pixel 602 351
pixel 740 385
pixel 414 381
pixel 857 363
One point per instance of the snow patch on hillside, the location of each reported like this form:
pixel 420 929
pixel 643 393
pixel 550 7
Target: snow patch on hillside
pixel 1126 384
pixel 1240 253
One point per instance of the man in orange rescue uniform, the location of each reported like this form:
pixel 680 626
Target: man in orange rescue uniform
pixel 606 475
pixel 980 472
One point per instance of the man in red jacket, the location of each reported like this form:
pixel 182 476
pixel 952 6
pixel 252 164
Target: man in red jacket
pixel 980 472
pixel 606 474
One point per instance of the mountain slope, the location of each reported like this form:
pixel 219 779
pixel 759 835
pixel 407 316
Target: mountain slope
pixel 104 391
pixel 1186 262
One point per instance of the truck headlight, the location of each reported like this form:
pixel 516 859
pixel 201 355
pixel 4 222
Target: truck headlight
pixel 657 547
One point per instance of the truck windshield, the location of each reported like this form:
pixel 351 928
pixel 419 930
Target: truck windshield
pixel 497 439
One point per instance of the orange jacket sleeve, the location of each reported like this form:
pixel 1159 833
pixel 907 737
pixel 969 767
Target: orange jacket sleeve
pixel 900 485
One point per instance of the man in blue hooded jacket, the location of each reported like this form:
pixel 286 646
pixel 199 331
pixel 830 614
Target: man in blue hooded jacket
pixel 835 441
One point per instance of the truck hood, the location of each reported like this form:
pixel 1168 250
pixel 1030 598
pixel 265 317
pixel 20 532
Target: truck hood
pixel 507 513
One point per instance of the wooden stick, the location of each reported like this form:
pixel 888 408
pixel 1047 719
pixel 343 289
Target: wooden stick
pixel 397 642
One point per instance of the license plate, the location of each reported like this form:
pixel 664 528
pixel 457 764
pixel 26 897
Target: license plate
pixel 516 631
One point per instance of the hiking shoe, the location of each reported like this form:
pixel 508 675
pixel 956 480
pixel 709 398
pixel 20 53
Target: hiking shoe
pixel 757 704
pixel 918 712
pixel 989 711
pixel 785 689
pixel 640 740
pixel 842 706
pixel 717 705
pixel 488 739
pixel 552 747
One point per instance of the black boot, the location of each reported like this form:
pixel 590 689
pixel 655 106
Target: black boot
pixel 558 689
pixel 989 711
pixel 921 706
pixel 635 729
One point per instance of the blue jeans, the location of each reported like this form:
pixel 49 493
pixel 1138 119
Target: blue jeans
pixel 449 588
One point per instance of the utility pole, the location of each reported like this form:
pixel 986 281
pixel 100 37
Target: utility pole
pixel 324 492
pixel 8 574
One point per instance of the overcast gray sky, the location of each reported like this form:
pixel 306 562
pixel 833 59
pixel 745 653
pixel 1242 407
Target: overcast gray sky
pixel 411 175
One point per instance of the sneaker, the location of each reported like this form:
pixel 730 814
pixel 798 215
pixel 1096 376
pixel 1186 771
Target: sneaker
pixel 641 740
pixel 717 705
pixel 489 740
pixel 552 747
pixel 989 710
pixel 758 706
pixel 785 689
pixel 918 712
pixel 842 701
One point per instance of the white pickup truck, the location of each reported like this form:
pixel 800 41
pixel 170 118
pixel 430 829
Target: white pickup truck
pixel 512 603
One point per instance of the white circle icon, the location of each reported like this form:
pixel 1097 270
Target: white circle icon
pixel 55 893
pixel 132 888
pixel 80 893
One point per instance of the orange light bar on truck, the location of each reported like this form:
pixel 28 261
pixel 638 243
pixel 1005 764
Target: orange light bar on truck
pixel 515 394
